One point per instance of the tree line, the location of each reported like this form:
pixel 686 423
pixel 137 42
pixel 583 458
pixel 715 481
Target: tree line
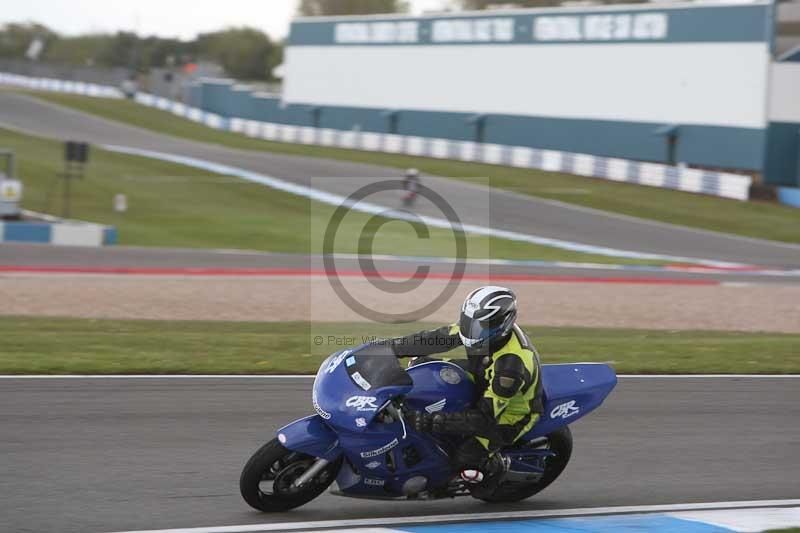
pixel 244 53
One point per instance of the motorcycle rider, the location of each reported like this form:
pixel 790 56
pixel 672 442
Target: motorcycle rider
pixel 411 183
pixel 506 369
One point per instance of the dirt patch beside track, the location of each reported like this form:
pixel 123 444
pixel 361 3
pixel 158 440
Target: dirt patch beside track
pixel 773 308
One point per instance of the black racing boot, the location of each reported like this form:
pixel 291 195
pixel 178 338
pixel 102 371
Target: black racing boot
pixel 494 470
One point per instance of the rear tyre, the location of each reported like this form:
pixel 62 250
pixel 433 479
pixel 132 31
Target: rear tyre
pixel 560 442
pixel 266 480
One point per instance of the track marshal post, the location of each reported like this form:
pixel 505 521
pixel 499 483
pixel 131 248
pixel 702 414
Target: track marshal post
pixel 76 156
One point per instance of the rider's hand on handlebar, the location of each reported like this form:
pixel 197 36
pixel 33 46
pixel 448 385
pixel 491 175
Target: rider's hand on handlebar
pixel 421 422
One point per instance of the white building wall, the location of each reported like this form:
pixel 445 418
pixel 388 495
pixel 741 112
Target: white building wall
pixel 785 92
pixel 719 84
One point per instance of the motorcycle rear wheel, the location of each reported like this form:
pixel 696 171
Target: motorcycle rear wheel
pixel 560 442
pixel 266 480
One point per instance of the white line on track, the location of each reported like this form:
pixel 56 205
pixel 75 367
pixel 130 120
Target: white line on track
pixel 311 376
pixel 471 517
pixel 370 208
pixel 630 218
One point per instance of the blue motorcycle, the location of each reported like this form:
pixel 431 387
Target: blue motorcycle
pixel 358 436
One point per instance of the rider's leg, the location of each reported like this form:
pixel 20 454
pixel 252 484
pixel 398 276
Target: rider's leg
pixel 470 454
pixel 476 461
pixel 496 464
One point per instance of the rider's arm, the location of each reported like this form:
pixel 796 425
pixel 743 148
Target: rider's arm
pixel 509 377
pixel 428 342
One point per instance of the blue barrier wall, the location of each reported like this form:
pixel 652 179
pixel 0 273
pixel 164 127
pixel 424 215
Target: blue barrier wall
pixel 712 146
pixel 217 97
pixel 240 104
pixel 51 233
pixel 697 145
pixel 195 96
pixel 782 165
pixel 265 108
pixel 297 115
pixel 437 125
pixel 375 120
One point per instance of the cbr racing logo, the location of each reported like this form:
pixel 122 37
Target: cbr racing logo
pixel 362 403
pixel 564 410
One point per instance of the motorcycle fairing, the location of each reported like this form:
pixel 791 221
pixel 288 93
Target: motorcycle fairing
pixel 440 386
pixel 380 461
pixel 311 436
pixel 380 467
pixel 343 401
pixel 570 392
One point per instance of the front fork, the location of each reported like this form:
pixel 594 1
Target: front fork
pixel 318 466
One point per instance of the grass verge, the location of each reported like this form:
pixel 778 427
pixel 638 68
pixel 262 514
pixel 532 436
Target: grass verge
pixel 753 219
pixel 86 346
pixel 177 206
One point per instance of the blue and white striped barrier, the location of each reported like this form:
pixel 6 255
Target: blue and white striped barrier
pixel 686 179
pixel 62 233
pixel 60 86
pixel 722 184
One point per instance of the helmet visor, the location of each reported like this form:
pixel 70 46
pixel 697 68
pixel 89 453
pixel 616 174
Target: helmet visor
pixel 473 332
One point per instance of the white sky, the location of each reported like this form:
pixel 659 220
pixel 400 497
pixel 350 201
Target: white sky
pixel 166 18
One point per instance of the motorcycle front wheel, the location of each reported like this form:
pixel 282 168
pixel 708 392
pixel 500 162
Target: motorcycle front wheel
pixel 560 442
pixel 267 479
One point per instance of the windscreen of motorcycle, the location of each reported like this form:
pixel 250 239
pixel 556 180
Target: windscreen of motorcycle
pixel 352 386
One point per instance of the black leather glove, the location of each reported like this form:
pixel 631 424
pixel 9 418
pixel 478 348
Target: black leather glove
pixel 469 422
pixel 421 421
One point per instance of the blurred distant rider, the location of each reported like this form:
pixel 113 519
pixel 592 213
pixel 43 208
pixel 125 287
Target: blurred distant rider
pixel 411 185
pixel 505 366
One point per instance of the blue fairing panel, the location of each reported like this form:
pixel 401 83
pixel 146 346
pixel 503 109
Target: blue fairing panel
pixel 351 388
pixel 440 386
pixel 570 392
pixel 311 436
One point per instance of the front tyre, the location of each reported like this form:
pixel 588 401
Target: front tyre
pixel 560 442
pixel 267 478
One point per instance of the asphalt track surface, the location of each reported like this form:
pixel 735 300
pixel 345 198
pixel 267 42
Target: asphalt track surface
pixel 496 208
pixel 94 455
pixel 135 260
